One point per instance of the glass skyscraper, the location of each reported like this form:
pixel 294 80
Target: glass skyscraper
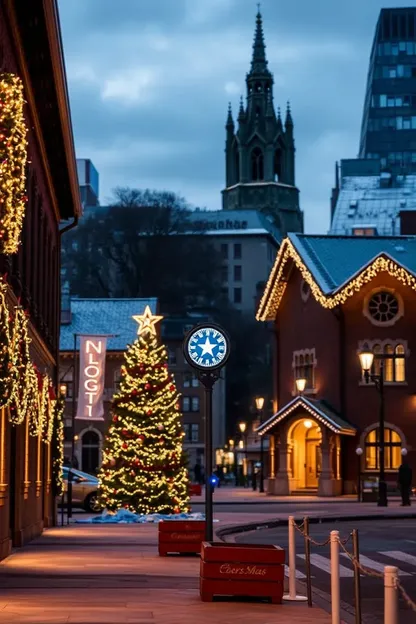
pixel 388 130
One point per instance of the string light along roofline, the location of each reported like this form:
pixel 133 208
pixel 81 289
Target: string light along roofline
pixel 276 284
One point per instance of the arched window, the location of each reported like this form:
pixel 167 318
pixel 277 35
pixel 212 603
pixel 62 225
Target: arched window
pixel 399 363
pixel 392 448
pixel 90 452
pixel 393 357
pixel 257 164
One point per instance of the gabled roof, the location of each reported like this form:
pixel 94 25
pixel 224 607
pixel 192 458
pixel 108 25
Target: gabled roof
pixel 104 316
pixel 320 410
pixel 336 267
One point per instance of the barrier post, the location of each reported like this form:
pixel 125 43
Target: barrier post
pixel 335 588
pixel 391 595
pixel 357 581
pixel 292 595
pixel 307 560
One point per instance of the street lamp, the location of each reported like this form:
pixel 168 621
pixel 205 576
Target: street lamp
pixel 243 429
pixel 259 405
pixel 359 452
pixel 300 385
pixel 366 360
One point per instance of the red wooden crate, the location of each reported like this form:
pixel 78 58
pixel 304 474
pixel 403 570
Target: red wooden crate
pixel 241 570
pixel 180 536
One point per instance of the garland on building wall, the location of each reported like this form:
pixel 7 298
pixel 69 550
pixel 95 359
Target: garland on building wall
pixel 21 368
pixel 58 447
pixel 13 157
pixel 6 352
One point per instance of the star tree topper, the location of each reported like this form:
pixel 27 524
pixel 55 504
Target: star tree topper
pixel 147 322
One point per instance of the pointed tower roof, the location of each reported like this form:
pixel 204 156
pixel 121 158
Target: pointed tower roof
pixel 258 61
pixel 230 122
pixel 269 106
pixel 279 119
pixel 288 120
pixel 241 112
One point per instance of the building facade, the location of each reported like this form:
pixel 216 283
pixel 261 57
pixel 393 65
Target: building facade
pixel 30 48
pixel 388 130
pixel 330 298
pixel 114 318
pixel 88 182
pixel 260 154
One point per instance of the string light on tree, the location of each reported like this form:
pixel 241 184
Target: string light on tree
pixel 144 467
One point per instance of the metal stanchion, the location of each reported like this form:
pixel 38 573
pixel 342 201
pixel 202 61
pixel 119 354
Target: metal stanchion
pixel 357 581
pixel 391 595
pixel 335 588
pixel 292 595
pixel 308 560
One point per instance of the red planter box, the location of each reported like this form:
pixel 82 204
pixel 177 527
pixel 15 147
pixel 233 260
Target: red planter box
pixel 195 489
pixel 241 570
pixel 181 536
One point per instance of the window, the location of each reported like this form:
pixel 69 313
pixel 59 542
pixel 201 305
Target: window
pixel 117 380
pixel 303 365
pixel 392 448
pixel 237 295
pixel 383 308
pixel 186 404
pixel 224 250
pixel 194 433
pixel 237 251
pixel 224 274
pixel 172 357
pixel 257 164
pixel 68 383
pixel 237 273
pixel 195 404
pixel 363 231
pixel 190 380
pixel 305 290
pixel 393 356
pixel 186 431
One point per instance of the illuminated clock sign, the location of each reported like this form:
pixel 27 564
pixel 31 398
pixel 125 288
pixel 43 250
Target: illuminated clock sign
pixel 207 347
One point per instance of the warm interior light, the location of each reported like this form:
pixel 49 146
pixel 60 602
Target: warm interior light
pixel 366 360
pixel 62 390
pixel 301 384
pixel 259 402
pixel 308 424
pixel 242 426
pixel 241 444
pixel 231 442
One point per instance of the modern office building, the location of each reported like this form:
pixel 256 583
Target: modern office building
pixel 388 130
pixel 88 182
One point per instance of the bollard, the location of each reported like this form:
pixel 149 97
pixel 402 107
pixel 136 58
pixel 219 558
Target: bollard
pixel 335 590
pixel 292 564
pixel 307 560
pixel 391 595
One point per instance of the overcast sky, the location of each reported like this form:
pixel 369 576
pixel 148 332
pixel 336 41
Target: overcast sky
pixel 150 80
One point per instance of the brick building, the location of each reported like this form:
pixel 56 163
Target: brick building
pixel 31 49
pixel 115 316
pixel 330 297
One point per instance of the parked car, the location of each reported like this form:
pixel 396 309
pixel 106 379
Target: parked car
pixel 84 489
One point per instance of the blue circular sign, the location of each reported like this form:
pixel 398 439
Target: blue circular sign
pixel 207 347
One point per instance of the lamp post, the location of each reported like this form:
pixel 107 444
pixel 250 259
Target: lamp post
pixel 232 446
pixel 359 452
pixel 366 360
pixel 259 406
pixel 243 428
pixel 300 385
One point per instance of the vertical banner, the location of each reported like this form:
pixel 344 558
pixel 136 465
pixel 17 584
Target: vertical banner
pixel 91 378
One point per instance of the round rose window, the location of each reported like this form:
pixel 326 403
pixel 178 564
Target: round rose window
pixel 383 307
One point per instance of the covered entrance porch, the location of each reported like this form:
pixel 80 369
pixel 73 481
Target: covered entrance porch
pixel 305 448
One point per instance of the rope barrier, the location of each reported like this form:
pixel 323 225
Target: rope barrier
pixel 410 603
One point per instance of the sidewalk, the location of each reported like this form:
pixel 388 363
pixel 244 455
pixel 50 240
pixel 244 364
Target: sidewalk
pixel 111 574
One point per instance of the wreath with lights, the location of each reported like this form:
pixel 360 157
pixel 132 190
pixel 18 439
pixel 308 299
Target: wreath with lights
pixel 13 158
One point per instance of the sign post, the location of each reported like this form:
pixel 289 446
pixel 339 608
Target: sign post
pixel 207 349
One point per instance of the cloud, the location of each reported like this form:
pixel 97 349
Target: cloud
pixel 150 82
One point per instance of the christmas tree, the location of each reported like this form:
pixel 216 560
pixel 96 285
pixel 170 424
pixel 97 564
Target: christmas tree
pixel 144 468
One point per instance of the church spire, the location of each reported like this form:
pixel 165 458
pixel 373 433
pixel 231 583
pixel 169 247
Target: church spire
pixel 230 122
pixel 241 112
pixel 258 61
pixel 288 120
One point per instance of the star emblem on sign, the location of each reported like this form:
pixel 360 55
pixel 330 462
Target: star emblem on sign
pixel 147 322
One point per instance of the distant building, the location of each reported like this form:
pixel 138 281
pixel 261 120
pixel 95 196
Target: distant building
pixel 114 316
pixel 388 130
pixel 368 201
pixel 260 155
pixel 88 182
pixel 247 241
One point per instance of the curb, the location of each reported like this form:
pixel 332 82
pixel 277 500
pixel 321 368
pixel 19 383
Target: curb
pixel 271 524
